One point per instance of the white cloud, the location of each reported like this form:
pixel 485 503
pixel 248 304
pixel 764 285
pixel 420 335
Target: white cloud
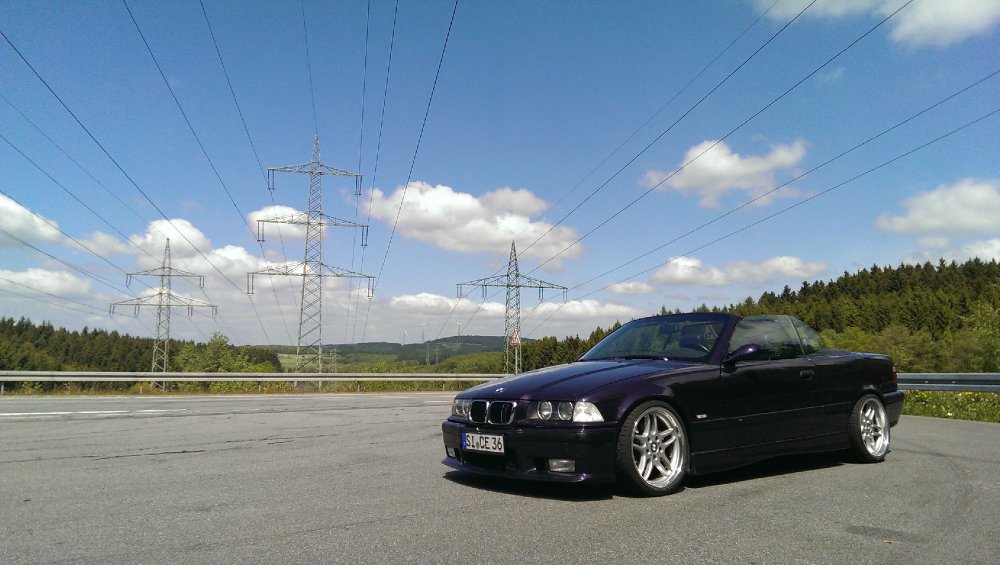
pixel 714 171
pixel 586 310
pixel 933 242
pixel 272 230
pixel 458 221
pixel 631 288
pixel 691 271
pixel 182 235
pixel 59 283
pixel 688 271
pixel 105 244
pixel 20 222
pixel 771 269
pixel 787 9
pixel 928 22
pixel 985 249
pixel 434 304
pixel 943 22
pixel 968 207
pixel 833 75
pixel 575 317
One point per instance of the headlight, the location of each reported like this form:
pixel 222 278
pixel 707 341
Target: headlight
pixel 564 411
pixel 545 410
pixel 460 407
pixel 586 412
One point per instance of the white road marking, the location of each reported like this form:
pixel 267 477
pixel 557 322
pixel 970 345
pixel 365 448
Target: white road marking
pixel 87 412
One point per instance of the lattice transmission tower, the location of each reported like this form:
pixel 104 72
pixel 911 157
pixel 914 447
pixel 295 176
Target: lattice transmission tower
pixel 164 300
pixel 312 270
pixel 513 281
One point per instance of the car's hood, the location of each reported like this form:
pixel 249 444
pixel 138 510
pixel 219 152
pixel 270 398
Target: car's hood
pixel 571 381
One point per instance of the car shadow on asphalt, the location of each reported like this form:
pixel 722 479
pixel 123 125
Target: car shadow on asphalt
pixel 533 489
pixel 784 465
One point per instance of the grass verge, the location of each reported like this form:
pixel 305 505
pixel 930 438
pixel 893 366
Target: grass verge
pixel 979 406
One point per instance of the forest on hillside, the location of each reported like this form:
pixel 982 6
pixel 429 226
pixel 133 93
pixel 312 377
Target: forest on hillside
pixel 929 318
pixel 26 346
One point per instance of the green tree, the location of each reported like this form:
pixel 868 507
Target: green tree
pixel 217 356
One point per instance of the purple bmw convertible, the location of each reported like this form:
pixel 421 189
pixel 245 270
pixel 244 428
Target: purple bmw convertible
pixel 667 396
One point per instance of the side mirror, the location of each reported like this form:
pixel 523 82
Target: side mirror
pixel 742 353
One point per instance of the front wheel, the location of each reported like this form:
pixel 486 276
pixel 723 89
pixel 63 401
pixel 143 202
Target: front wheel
pixel 653 449
pixel 869 430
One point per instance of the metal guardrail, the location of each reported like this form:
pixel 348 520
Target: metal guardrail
pixel 955 382
pixel 150 377
pixel 124 377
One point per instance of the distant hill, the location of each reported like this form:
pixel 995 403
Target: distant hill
pixel 436 349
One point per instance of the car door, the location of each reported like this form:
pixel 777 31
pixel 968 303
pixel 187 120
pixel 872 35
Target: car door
pixel 836 379
pixel 772 397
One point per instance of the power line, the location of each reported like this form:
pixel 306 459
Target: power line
pixel 790 207
pixel 664 132
pixel 413 161
pixel 260 165
pixel 840 155
pixel 63 233
pixel 663 107
pixel 93 312
pixel 82 271
pixel 72 195
pixel 378 152
pixel 312 89
pixel 203 151
pixel 97 181
pixel 164 300
pixel 357 191
pixel 649 145
pixel 93 309
pixel 74 161
pixel 513 282
pixel 420 137
pixel 727 135
pixel 121 169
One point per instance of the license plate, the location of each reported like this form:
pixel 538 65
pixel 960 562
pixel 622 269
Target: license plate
pixel 488 443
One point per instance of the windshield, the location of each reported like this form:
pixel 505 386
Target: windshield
pixel 686 337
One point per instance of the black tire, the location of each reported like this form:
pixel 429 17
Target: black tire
pixel 869 430
pixel 645 464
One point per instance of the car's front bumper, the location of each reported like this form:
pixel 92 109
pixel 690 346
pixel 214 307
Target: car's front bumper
pixel 527 451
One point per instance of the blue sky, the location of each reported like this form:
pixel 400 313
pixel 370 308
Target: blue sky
pixel 532 100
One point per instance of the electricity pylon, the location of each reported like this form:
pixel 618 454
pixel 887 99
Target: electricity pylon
pixel 164 300
pixel 311 269
pixel 513 281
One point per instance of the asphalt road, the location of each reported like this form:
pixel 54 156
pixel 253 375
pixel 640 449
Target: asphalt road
pixel 358 478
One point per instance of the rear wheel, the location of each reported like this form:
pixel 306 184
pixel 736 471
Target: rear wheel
pixel 653 449
pixel 869 430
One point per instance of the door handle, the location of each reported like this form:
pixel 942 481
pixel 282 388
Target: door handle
pixel 807 374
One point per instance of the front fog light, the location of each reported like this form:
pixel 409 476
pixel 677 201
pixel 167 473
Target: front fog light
pixel 451 452
pixel 562 465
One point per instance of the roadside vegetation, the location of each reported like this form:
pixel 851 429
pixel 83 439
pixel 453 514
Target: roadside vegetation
pixel 930 318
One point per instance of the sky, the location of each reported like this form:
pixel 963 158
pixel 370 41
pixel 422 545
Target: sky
pixel 640 154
